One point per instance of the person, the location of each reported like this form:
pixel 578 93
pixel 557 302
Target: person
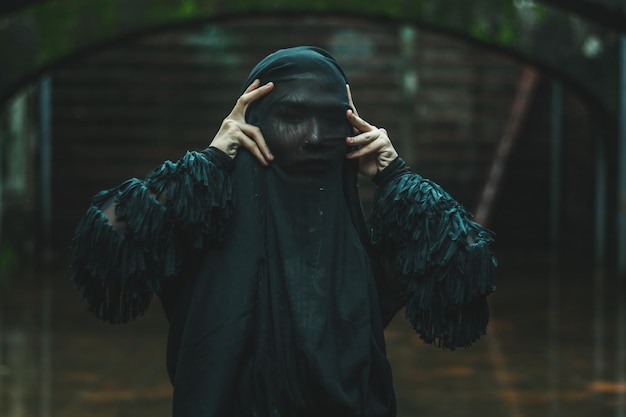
pixel 276 288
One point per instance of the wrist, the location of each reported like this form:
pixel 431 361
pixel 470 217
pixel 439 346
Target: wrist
pixel 385 160
pixel 395 168
pixel 219 157
pixel 229 148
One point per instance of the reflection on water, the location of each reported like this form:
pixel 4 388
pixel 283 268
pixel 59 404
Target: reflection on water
pixel 556 346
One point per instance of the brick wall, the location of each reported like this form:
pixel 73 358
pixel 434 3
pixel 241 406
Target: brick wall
pixel 122 110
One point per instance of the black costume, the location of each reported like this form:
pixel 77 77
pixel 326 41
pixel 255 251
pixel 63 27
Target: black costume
pixel 276 289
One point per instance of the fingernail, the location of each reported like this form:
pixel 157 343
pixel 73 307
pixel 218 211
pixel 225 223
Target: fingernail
pixel 350 140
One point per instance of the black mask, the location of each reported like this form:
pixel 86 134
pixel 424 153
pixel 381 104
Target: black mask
pixel 303 119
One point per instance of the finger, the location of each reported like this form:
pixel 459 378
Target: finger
pixel 370 149
pixel 358 123
pixel 252 86
pixel 255 94
pixel 252 146
pixel 364 138
pixel 350 102
pixel 248 97
pixel 256 135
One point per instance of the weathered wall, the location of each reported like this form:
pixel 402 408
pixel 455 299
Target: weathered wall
pixel 120 112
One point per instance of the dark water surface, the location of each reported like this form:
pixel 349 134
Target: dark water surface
pixel 555 347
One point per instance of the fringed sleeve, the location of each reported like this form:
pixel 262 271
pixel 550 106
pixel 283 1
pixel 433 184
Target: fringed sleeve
pixel 442 257
pixel 178 207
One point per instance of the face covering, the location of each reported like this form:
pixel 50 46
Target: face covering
pixel 303 119
pixel 282 317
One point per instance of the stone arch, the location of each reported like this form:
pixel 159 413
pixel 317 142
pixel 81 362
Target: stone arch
pixel 44 33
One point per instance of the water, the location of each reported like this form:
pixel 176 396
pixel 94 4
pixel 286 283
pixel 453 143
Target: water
pixel 555 347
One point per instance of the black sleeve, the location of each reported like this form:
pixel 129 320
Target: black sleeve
pixel 436 253
pixel 135 236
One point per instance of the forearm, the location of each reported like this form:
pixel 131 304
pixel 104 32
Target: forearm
pixel 129 239
pixel 442 257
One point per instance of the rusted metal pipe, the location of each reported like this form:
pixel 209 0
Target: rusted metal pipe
pixel 525 89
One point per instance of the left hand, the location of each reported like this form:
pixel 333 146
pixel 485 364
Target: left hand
pixel 375 150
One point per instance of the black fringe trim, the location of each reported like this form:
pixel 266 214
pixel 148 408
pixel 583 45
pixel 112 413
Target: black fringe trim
pixel 118 272
pixel 441 256
pixel 199 196
pixel 114 272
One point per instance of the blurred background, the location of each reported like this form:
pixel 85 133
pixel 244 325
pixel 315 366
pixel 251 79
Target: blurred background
pixel 516 107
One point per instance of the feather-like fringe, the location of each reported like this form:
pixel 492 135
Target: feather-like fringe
pixel 115 273
pixel 118 272
pixel 440 255
pixel 199 196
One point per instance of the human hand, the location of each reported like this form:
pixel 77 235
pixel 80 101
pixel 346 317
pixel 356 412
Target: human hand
pixel 235 132
pixel 375 150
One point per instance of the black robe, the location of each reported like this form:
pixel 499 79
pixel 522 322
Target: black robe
pixel 276 289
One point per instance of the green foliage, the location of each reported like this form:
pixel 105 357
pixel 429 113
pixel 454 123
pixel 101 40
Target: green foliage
pixel 187 8
pixel 52 28
pixel 479 28
pixel 506 34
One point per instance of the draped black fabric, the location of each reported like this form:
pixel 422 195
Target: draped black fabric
pixel 276 289
pixel 283 317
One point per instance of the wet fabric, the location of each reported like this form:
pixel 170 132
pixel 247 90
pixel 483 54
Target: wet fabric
pixel 276 289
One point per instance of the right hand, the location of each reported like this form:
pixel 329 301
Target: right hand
pixel 375 151
pixel 235 132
